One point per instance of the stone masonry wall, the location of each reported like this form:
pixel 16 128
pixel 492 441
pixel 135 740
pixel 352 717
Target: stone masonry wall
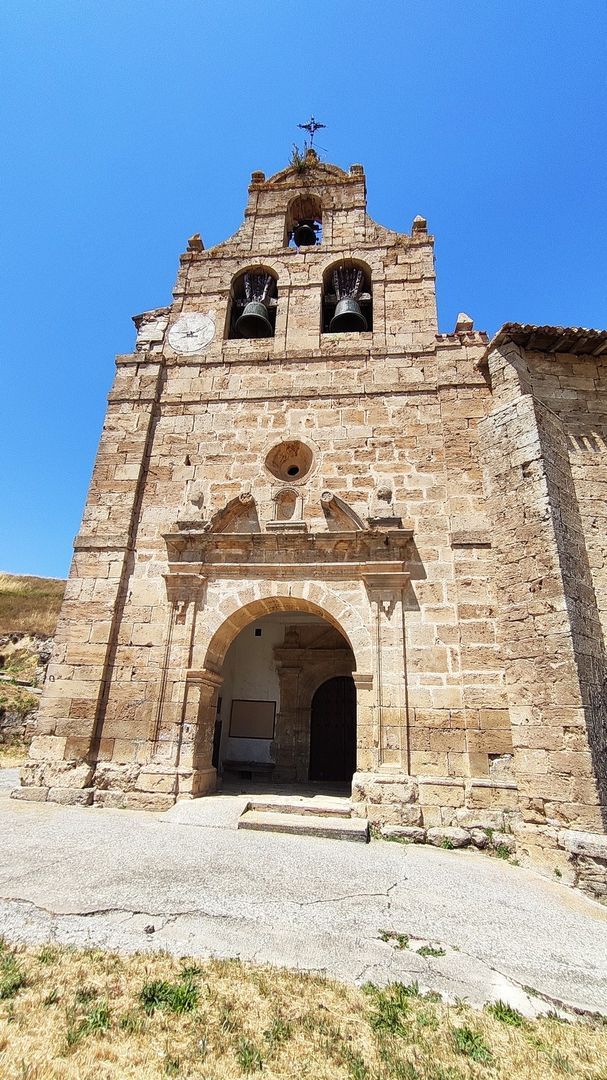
pixel 477 675
pixel 549 622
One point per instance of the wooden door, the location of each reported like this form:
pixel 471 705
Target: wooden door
pixel 333 730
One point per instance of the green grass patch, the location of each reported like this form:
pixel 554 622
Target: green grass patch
pixel 178 997
pixel 505 1013
pixel 12 975
pixel 248 1056
pixel 400 941
pixel 430 950
pixel 472 1044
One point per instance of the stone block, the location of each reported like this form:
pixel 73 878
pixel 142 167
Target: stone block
pixel 47 748
pixel 71 796
pixel 144 800
pixel 446 793
pixel 413 833
pixel 75 774
pixel 113 799
pixel 111 774
pixel 448 836
pixel 503 840
pixel 159 780
pixel 479 838
pixel 30 793
pixel 384 789
pixel 483 796
pixel 480 819
pixel 591 876
pixel 589 845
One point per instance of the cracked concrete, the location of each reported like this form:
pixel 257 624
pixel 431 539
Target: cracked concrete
pixel 105 877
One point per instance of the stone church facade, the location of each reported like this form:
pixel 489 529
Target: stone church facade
pixel 324 541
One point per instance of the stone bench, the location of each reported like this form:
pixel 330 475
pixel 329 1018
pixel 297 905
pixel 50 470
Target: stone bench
pixel 250 770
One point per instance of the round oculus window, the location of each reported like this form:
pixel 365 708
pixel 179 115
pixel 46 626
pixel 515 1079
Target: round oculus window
pixel 290 460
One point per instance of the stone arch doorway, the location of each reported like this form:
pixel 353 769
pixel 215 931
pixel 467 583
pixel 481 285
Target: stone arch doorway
pixel 333 730
pixel 305 645
pixel 270 674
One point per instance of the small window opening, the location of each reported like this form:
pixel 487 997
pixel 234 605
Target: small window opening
pixel 347 306
pixel 304 222
pixel 289 459
pixel 258 631
pixel 253 305
pixel 187 460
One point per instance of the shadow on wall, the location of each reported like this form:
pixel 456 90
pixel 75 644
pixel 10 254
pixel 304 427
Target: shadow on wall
pixel 580 597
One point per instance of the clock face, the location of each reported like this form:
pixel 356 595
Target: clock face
pixel 192 333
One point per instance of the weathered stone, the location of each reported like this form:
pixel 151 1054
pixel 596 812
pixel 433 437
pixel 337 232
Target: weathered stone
pixel 115 800
pixel 143 800
pixel 156 780
pixel 503 840
pixel 591 876
pixel 589 845
pixel 388 789
pixel 480 819
pixel 447 794
pixel 46 748
pixel 30 793
pixel 49 774
pixel 412 833
pixel 432 522
pixel 479 838
pixel 384 812
pixel 110 775
pixel 69 796
pixel 448 836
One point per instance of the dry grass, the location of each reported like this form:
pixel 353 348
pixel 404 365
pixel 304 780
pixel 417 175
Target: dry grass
pixel 89 1015
pixel 29 604
pixel 13 753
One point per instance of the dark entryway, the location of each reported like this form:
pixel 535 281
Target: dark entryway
pixel 333 730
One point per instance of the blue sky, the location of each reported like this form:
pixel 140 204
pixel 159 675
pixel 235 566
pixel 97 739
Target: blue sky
pixel 127 126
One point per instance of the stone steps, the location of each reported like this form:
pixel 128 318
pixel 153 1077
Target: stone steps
pixel 312 822
pixel 327 807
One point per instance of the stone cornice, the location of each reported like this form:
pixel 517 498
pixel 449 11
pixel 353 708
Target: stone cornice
pixel 379 557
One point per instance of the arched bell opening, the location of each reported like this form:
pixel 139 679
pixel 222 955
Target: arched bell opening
pixel 303 223
pixel 347 300
pixel 252 305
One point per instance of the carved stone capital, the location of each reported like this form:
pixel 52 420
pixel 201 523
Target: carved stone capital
pixel 362 680
pixel 204 678
pixel 184 586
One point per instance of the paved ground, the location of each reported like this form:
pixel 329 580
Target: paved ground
pixel 104 877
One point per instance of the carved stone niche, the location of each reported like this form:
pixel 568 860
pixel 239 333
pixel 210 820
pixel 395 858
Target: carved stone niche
pixel 288 511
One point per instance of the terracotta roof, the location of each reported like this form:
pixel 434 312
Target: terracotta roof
pixel 550 339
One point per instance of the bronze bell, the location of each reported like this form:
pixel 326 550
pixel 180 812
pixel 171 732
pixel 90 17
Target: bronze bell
pixel 348 317
pixel 254 321
pixel 304 234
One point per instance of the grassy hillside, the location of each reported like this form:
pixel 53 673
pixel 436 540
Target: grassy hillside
pixel 29 604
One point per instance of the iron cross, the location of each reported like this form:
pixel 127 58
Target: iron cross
pixel 312 127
